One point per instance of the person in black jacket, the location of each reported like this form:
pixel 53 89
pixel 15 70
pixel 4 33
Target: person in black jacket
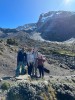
pixel 21 61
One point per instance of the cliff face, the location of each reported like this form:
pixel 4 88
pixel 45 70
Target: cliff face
pixel 57 25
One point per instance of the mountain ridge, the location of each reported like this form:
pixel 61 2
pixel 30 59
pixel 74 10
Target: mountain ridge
pixel 53 26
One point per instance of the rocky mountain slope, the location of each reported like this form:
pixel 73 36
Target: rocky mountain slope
pixel 57 85
pixel 57 25
pixel 8 56
pixel 5 32
pixel 53 26
pixel 60 57
pixel 26 27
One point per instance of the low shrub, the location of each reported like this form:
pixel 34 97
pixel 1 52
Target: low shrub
pixel 5 86
pixel 12 42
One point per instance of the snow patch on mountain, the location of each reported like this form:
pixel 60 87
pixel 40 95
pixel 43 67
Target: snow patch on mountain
pixel 31 26
pixel 72 40
pixel 36 36
pixel 45 18
pixel 58 13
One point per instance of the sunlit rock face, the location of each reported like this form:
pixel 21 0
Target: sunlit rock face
pixel 57 25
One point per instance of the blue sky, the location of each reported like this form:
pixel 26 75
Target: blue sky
pixel 14 13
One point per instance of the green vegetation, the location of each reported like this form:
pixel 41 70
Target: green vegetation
pixel 5 86
pixel 12 42
pixel 48 51
pixel 66 52
pixel 1 40
pixel 1 49
pixel 29 91
pixel 51 95
pixel 0 53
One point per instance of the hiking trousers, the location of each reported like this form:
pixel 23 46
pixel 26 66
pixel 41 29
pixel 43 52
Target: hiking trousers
pixel 20 66
pixel 30 68
pixel 41 70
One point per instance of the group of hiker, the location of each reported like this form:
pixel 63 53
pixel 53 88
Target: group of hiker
pixel 32 59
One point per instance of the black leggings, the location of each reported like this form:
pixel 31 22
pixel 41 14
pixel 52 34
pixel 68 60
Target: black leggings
pixel 41 70
pixel 30 67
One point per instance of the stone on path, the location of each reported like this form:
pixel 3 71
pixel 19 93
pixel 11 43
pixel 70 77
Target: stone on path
pixel 23 77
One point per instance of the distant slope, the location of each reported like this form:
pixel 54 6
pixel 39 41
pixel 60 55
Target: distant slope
pixel 5 32
pixel 27 27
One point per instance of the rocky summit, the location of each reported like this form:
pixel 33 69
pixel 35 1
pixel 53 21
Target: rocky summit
pixel 57 25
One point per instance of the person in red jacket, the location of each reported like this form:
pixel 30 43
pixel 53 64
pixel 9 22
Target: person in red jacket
pixel 41 61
